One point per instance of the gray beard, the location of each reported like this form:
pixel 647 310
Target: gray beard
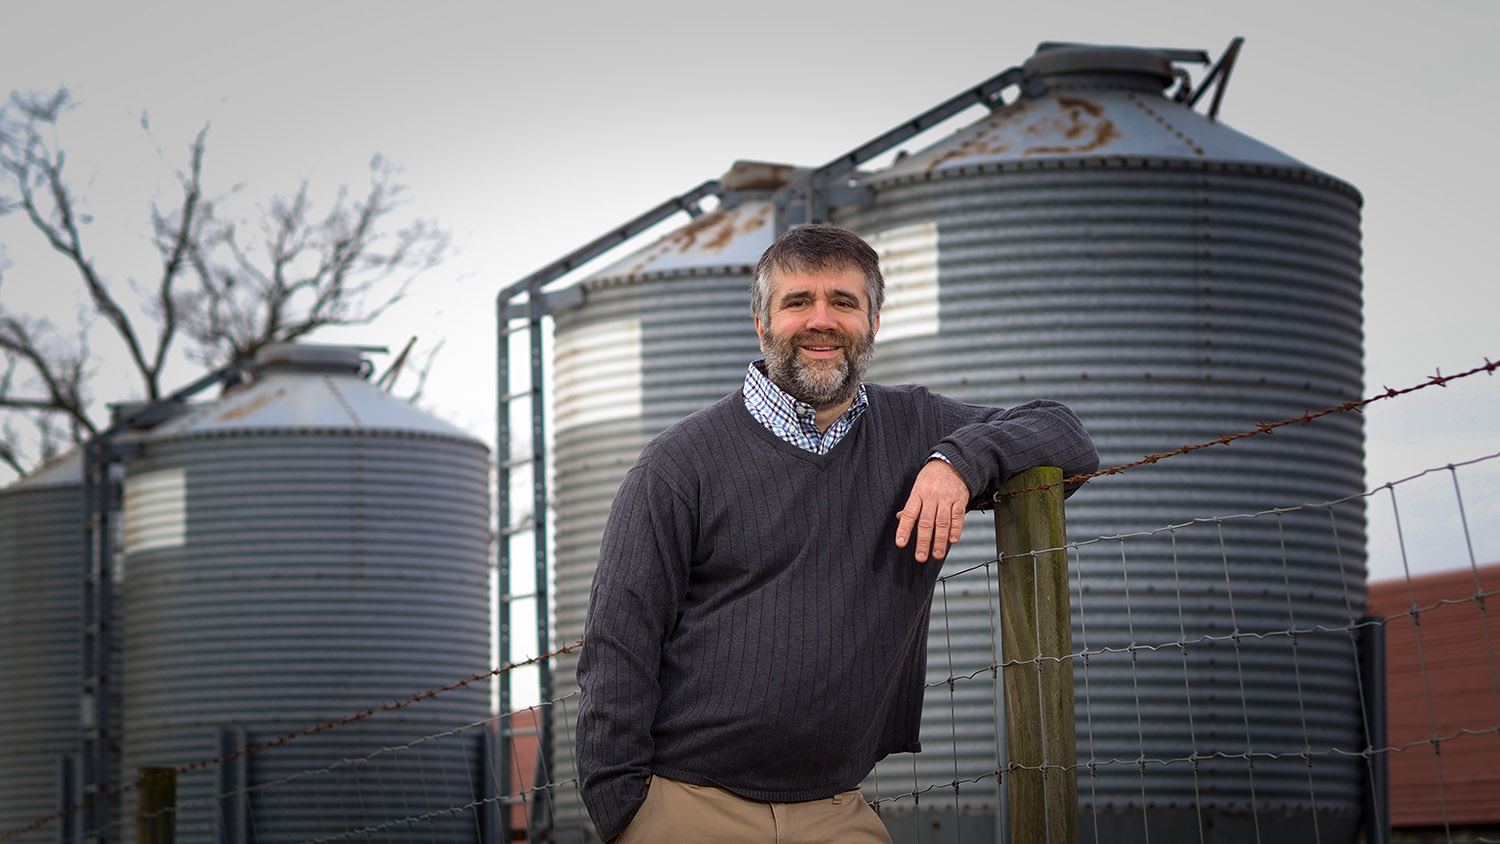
pixel 822 384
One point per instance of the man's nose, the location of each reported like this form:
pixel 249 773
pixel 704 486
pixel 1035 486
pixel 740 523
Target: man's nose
pixel 821 317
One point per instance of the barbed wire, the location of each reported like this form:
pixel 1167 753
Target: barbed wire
pixel 392 750
pixel 1090 767
pixel 205 764
pixel 1268 428
pixel 1211 520
pixel 1235 636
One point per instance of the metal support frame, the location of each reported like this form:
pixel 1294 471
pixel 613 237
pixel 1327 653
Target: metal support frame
pixel 539 303
pixel 232 784
pixel 1220 73
pixel 98 751
pixel 67 795
pixel 1377 793
pixel 810 197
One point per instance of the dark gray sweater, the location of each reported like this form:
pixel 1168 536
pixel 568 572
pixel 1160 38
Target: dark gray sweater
pixel 752 624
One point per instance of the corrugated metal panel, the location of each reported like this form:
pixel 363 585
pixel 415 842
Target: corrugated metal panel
pixel 41 566
pixel 1444 687
pixel 290 564
pixel 1169 295
pixel 674 322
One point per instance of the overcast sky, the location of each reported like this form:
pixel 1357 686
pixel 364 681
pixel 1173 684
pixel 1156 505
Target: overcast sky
pixel 527 129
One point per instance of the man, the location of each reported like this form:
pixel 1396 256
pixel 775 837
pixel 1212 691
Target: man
pixel 756 632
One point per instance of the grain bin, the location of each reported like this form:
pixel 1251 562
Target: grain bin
pixel 624 373
pixel 41 575
pixel 1172 280
pixel 302 549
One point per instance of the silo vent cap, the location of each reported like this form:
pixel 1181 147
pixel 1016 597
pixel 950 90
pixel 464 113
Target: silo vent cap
pixel 314 357
pixel 1095 66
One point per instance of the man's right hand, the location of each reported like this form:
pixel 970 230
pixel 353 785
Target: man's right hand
pixel 935 510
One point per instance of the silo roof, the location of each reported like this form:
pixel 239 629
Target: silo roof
pixel 727 240
pixel 723 240
pixel 307 390
pixel 1087 122
pixel 63 470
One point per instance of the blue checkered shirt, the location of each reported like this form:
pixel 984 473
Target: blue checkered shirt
pixel 795 421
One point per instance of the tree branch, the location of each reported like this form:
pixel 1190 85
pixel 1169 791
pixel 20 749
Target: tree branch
pixel 221 293
pixel 176 249
pixel 38 162
pixel 61 377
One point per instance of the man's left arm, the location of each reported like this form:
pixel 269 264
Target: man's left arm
pixel 980 454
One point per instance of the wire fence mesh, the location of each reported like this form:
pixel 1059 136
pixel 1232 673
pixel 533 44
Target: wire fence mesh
pixel 1220 695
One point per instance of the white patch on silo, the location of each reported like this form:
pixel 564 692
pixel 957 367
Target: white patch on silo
pixel 598 373
pixel 909 261
pixel 155 510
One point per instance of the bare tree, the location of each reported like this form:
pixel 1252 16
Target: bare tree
pixel 220 294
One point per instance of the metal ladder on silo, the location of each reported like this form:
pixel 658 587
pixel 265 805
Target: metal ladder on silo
pixel 527 316
pixel 91 785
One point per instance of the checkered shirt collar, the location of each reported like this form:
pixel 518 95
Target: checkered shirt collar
pixel 794 421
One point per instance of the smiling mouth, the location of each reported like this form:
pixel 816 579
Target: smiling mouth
pixel 822 353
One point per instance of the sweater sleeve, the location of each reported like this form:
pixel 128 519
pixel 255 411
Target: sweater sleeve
pixel 642 575
pixel 989 446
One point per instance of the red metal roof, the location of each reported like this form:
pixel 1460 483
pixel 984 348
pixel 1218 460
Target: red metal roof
pixel 522 758
pixel 1443 695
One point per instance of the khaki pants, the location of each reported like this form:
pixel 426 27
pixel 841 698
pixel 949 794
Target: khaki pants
pixel 679 813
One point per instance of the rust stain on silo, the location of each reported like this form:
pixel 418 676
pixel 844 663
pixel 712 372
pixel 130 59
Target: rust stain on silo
pixel 758 220
pixel 249 408
pixel 1079 121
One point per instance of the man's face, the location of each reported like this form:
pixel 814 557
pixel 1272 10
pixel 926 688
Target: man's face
pixel 820 339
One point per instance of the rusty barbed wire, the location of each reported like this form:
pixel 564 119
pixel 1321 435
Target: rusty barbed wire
pixel 205 764
pixel 1202 520
pixel 1436 380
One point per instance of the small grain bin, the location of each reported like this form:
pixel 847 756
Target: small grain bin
pixel 1172 280
pixel 41 571
pixel 305 548
pixel 662 333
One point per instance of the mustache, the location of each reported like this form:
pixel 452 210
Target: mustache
pixel 815 338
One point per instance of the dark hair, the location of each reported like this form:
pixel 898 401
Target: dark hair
pixel 816 247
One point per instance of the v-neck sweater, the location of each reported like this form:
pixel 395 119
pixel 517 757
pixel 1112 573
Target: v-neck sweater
pixel 752 625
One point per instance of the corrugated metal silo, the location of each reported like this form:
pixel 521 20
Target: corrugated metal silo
pixel 302 549
pixel 41 571
pixel 661 333
pixel 1172 280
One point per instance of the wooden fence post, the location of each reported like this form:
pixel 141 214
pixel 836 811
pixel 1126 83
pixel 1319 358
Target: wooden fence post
pixel 1036 630
pixel 156 800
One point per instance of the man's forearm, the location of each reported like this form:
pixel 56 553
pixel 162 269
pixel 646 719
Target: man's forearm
pixel 1039 433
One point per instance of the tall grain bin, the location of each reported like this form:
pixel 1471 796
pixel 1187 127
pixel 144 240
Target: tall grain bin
pixel 305 548
pixel 1172 280
pixel 661 333
pixel 41 572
